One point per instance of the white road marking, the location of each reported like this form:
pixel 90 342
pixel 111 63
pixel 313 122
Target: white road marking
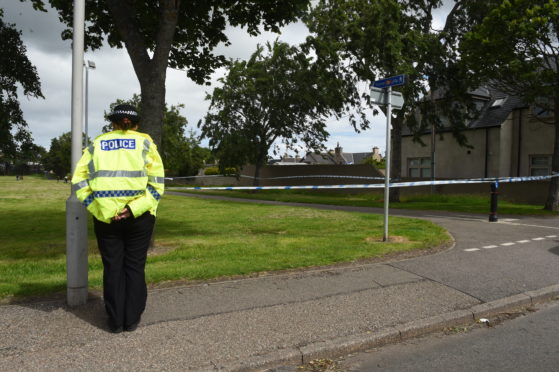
pixel 525 224
pixel 509 219
pixel 508 244
pixel 459 218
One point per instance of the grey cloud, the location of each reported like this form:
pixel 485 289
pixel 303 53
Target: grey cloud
pixel 40 30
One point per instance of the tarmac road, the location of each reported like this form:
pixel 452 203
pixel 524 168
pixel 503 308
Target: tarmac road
pixel 290 318
pixel 527 343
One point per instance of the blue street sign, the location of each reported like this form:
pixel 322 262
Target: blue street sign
pixel 390 82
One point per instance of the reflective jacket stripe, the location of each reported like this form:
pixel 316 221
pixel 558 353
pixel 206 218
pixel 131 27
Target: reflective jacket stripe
pixel 91 166
pixel 156 179
pixel 117 173
pixel 80 185
pixel 146 151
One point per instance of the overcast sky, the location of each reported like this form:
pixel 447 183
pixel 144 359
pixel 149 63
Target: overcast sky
pixel 114 78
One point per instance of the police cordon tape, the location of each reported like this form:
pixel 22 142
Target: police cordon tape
pixel 279 178
pixel 496 180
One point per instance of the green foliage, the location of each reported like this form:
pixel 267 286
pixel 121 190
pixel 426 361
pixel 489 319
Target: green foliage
pixel 59 157
pixel 362 40
pixel 200 26
pixel 29 153
pixel 276 95
pixel 182 154
pixel 379 164
pixel 179 34
pixel 213 171
pixel 15 71
pixel 516 48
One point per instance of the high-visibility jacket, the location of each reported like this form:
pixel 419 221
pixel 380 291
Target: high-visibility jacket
pixel 120 168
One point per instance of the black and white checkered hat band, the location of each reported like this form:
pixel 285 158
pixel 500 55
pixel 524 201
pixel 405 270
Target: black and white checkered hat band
pixel 122 112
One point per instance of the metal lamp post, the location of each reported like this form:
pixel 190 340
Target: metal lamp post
pixel 88 65
pixel 76 214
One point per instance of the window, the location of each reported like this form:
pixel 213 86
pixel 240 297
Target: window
pixel 499 102
pixel 541 112
pixel 419 167
pixel 540 165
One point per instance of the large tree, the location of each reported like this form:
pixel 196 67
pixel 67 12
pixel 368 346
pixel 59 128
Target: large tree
pixel 516 48
pixel 15 71
pixel 276 95
pixel 364 40
pixel 172 33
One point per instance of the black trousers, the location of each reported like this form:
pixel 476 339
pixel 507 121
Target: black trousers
pixel 123 246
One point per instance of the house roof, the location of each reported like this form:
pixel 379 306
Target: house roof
pixel 497 107
pixel 359 157
pixel 330 158
pixel 323 158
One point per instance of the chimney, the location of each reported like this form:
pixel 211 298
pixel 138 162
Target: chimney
pixel 338 158
pixel 376 154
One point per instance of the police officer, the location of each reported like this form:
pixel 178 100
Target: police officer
pixel 120 179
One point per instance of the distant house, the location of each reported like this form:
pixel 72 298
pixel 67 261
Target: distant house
pixel 288 160
pixel 508 139
pixel 337 156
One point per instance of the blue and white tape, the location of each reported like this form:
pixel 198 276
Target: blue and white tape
pixel 374 185
pixel 281 178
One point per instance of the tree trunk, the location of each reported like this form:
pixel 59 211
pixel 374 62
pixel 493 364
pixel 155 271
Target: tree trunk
pixel 151 71
pixel 256 181
pixel 396 158
pixel 153 107
pixel 552 201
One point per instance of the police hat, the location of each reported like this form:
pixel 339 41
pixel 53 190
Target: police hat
pixel 124 111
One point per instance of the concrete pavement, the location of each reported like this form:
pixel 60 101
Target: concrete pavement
pixel 294 317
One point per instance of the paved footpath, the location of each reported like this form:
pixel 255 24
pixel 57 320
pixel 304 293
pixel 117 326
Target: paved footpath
pixel 292 318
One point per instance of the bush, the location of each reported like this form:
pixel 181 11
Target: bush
pixel 212 171
pixel 375 163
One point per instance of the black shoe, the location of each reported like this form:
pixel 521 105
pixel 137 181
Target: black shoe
pixel 132 327
pixel 115 329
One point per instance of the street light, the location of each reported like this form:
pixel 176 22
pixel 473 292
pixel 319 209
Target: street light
pixel 88 65
pixel 76 214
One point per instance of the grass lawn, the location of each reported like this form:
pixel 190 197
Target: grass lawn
pixel 452 203
pixel 195 239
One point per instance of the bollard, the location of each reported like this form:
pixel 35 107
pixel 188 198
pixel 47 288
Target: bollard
pixel 494 195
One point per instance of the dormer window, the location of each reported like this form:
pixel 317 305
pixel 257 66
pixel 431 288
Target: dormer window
pixel 498 102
